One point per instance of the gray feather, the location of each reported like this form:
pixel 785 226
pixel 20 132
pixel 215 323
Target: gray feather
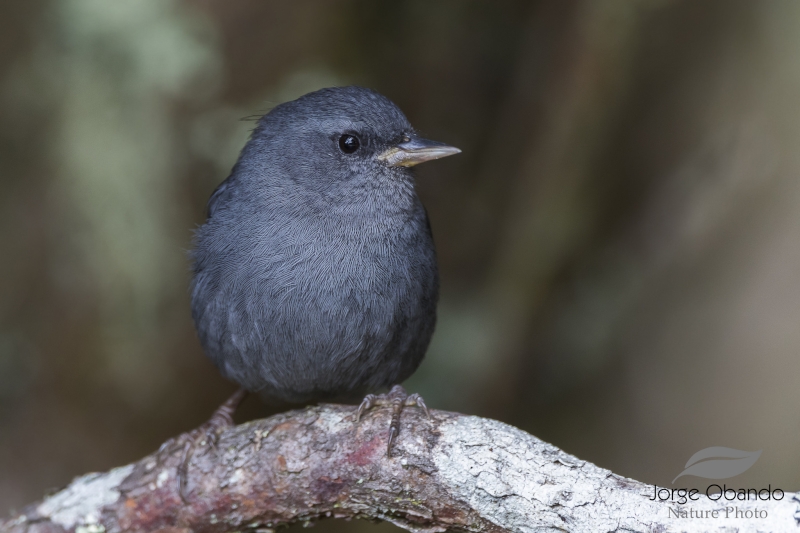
pixel 315 274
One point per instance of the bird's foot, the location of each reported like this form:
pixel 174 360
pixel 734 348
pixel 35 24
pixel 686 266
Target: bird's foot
pixel 206 434
pixel 397 398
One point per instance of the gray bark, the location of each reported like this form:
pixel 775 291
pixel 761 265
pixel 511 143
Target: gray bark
pixel 451 472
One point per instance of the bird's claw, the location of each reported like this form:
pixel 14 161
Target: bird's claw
pixel 393 431
pixel 397 398
pixel 205 435
pixel 416 399
pixel 366 404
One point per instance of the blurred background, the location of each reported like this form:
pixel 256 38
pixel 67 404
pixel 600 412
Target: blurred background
pixel 619 241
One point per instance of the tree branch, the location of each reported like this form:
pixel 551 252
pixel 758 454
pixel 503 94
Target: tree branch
pixel 452 472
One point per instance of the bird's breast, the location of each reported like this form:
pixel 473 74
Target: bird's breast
pixel 290 306
pixel 346 258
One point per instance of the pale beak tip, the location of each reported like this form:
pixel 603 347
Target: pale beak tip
pixel 416 151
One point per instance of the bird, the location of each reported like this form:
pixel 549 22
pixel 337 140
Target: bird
pixel 315 274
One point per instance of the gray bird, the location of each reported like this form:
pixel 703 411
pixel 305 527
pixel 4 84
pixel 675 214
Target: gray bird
pixel 315 274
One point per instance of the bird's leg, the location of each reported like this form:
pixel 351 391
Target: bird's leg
pixel 205 434
pixel 397 398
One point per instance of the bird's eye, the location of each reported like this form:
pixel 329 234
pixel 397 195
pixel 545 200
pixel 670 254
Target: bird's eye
pixel 349 143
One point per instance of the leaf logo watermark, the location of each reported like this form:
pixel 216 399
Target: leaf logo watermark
pixel 719 462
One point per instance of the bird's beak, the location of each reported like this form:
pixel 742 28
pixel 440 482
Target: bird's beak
pixel 414 150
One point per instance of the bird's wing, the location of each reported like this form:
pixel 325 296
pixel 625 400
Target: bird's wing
pixel 427 222
pixel 220 194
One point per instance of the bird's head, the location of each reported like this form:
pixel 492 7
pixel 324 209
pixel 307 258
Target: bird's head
pixel 343 139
